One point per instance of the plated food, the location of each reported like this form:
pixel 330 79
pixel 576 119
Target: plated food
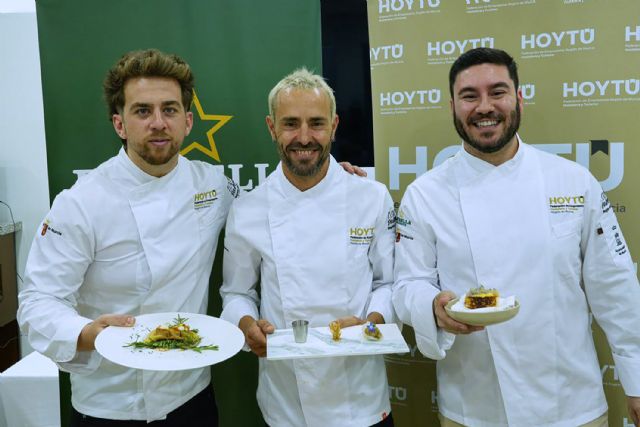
pixel 176 335
pixel 482 307
pixel 116 343
pixel 334 327
pixel 481 297
pixel 281 346
pixel 372 332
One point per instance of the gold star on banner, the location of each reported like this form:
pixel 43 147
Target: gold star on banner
pixel 212 151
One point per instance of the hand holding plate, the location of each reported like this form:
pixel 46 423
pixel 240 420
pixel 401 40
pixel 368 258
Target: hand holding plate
pixel 87 337
pixel 444 321
pixel 255 333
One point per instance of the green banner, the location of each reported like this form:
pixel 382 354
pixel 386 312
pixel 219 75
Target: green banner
pixel 237 49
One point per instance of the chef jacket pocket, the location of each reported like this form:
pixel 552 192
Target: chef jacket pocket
pixel 567 228
pixel 208 216
pixel 358 251
pixel 566 236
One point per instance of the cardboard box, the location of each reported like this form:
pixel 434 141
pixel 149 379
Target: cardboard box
pixel 8 285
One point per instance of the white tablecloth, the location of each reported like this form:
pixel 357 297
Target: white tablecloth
pixel 29 393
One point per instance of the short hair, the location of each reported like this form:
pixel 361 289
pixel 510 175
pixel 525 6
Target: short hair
pixel 483 55
pixel 301 79
pixel 146 63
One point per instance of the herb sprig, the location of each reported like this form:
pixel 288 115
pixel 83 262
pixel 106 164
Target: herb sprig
pixel 178 335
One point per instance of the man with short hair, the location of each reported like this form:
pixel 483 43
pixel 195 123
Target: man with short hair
pixel 489 216
pixel 294 237
pixel 128 238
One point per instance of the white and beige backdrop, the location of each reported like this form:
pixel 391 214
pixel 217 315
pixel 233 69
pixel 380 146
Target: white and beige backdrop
pixel 579 63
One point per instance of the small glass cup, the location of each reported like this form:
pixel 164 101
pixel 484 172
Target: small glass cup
pixel 300 328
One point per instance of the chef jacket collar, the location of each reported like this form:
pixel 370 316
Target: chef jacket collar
pixel 138 176
pixel 289 190
pixel 482 166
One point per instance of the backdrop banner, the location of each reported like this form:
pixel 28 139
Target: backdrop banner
pixel 238 50
pixel 579 66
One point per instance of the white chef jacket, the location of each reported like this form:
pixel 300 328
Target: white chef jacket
pixel 123 241
pixel 318 254
pixel 538 227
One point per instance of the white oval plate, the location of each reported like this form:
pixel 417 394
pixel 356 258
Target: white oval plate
pixel 111 343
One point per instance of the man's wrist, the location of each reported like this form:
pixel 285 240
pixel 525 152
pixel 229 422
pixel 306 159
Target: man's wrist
pixel 375 317
pixel 83 343
pixel 245 323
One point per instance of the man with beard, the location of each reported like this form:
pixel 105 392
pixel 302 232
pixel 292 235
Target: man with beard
pixel 129 238
pixel 505 215
pixel 319 243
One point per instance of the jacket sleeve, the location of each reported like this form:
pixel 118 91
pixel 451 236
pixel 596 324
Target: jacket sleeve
pixel 60 255
pixel 381 259
pixel 231 192
pixel 416 276
pixel 240 273
pixel 611 285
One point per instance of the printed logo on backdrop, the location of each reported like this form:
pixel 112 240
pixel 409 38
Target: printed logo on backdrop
pixel 610 375
pixel 550 44
pixel 592 93
pixel 484 6
pixel 446 51
pixel 398 395
pixel 579 152
pixel 583 154
pixel 632 38
pixel 209 149
pixel 385 55
pixel 403 102
pixel 528 93
pixel 394 10
pixel 202 139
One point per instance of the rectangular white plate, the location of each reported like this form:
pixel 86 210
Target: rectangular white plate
pixel 281 345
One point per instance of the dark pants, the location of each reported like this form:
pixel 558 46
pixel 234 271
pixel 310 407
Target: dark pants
pixel 387 422
pixel 200 411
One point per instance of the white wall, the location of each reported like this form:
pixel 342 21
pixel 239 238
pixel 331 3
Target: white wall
pixel 23 164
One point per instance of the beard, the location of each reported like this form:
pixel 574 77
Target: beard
pixel 507 135
pixel 304 168
pixel 157 157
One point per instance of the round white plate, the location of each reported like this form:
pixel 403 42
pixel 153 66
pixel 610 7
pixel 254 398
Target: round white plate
pixel 482 318
pixel 111 343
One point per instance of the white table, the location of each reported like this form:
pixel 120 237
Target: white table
pixel 30 394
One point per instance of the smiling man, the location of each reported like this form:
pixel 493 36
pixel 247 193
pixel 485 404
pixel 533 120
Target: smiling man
pixel 505 215
pixel 128 239
pixel 295 238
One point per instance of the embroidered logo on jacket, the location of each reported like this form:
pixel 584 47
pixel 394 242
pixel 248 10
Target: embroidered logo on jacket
pixel 204 200
pixel 391 219
pixel 565 204
pixel 233 188
pixel 404 224
pixel 361 235
pixel 46 227
pixel 605 203
pixel 402 219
